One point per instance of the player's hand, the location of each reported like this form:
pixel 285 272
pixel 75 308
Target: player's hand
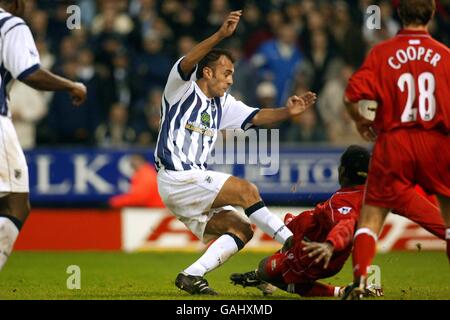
pixel 365 129
pixel 230 24
pixel 321 250
pixel 78 92
pixel 297 105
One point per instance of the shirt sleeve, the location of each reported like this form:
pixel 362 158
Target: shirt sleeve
pixel 362 84
pixel 346 215
pixel 20 55
pixel 236 114
pixel 342 234
pixel 178 82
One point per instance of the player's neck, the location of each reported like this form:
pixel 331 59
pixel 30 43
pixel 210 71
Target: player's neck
pixel 204 87
pixel 416 28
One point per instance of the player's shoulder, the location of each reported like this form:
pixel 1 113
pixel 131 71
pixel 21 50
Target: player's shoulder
pixel 348 196
pixel 440 46
pixel 9 22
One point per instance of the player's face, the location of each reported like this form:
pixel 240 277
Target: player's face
pixel 221 77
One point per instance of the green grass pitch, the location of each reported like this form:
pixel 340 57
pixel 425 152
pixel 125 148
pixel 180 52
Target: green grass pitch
pixel 42 275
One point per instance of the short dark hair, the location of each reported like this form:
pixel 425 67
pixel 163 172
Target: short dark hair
pixel 416 12
pixel 210 58
pixel 355 161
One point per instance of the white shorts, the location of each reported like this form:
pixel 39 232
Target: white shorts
pixel 13 166
pixel 190 195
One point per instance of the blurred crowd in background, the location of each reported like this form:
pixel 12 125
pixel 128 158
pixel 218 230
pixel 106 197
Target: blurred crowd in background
pixel 125 49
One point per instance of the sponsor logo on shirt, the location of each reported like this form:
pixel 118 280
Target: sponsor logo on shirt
pixel 345 210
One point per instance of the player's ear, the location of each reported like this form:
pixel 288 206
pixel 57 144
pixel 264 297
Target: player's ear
pixel 207 73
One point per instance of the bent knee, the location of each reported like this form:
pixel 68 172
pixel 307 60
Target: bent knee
pixel 244 231
pixel 249 193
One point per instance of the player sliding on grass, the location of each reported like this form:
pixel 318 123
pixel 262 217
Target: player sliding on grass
pixel 408 78
pixel 196 105
pixel 323 236
pixel 19 60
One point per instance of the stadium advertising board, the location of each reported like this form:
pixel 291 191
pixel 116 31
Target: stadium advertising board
pixel 139 229
pixel 90 176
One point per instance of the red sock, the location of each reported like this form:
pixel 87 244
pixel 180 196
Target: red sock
pixel 364 248
pixel 447 238
pixel 315 289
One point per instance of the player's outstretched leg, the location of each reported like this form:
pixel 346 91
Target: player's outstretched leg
pixel 239 192
pixel 231 232
pixel 14 209
pixel 364 248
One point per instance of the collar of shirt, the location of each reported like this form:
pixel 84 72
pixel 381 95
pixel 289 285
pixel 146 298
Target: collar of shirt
pixel 408 32
pixel 354 188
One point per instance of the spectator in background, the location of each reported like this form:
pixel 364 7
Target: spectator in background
pixel 143 190
pixel 68 125
pixel 305 128
pixel 333 113
pixel 320 63
pixel 266 93
pixel 277 60
pixel 126 86
pixel 153 64
pixel 184 45
pixel 274 20
pixel 116 132
pixel 110 19
pixel 347 37
pixel 148 118
pixel 245 74
pixel 28 106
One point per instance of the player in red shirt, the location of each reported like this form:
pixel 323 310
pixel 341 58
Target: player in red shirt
pixel 323 236
pixel 408 79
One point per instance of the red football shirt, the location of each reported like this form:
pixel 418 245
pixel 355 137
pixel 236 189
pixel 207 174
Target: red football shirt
pixel 333 220
pixel 409 77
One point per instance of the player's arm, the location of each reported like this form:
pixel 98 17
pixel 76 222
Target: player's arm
pixel 47 81
pixel 360 98
pixel 338 239
pixel 363 124
pixel 294 106
pixel 21 59
pixel 189 62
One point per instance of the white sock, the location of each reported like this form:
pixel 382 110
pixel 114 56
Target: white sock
pixel 217 253
pixel 268 222
pixel 8 235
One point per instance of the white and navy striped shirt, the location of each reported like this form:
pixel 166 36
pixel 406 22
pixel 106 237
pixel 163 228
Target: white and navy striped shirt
pixel 190 122
pixel 19 56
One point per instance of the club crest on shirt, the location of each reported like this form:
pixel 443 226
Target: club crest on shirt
pixel 206 119
pixel 345 210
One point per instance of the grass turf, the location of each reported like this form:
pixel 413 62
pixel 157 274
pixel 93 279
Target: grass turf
pixel 42 275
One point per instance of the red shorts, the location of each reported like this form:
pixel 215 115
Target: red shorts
pixel 403 158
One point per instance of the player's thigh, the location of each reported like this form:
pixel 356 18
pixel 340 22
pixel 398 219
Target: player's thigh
pixel 228 221
pixel 432 150
pixel 270 269
pixel 391 172
pixel 237 192
pixel 13 167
